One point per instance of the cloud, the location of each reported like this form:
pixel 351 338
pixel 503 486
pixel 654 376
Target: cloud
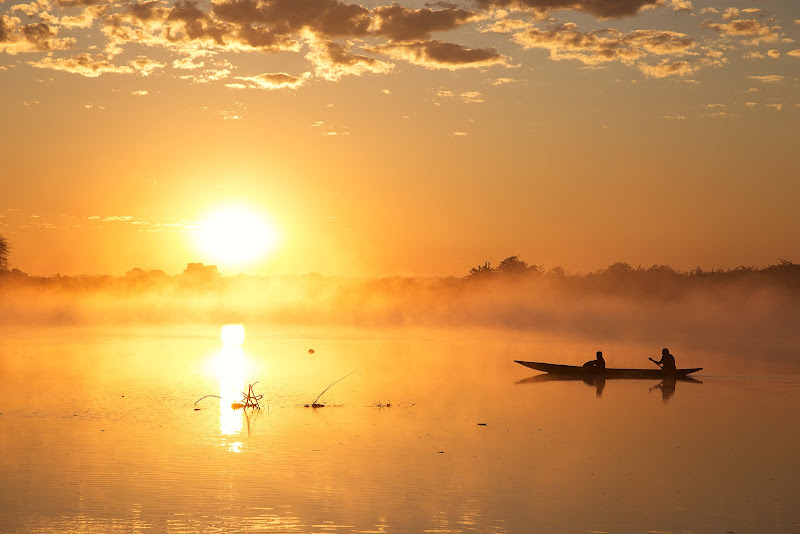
pixel 769 78
pixel 327 18
pixel 74 3
pixel 187 63
pixel 755 29
pixel 682 6
pixel 501 81
pixel 400 23
pixel 794 53
pixel 145 66
pixel 82 64
pixel 667 68
pixel 774 54
pixel 17 38
pixel 603 9
pixel 776 107
pixel 228 115
pixel 468 97
pixel 31 9
pixel 85 19
pixel 600 46
pixel 440 55
pixel 272 81
pixel 332 61
pixel 506 26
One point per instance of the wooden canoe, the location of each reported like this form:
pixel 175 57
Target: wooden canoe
pixel 608 372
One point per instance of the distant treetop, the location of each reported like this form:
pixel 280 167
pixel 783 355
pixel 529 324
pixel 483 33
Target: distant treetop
pixel 4 248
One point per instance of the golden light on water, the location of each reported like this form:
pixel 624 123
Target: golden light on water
pixel 232 335
pixel 231 370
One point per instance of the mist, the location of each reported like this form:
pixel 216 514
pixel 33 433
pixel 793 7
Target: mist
pixel 741 311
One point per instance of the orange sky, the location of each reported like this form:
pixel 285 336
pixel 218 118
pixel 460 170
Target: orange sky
pixel 381 138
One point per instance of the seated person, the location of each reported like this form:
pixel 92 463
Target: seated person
pixel 667 362
pixel 598 363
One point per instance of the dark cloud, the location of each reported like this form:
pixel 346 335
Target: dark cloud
pixel 5 29
pixel 39 35
pixel 329 18
pixel 244 12
pixel 400 23
pixel 147 11
pixel 599 8
pixel 75 3
pixel 599 46
pixel 196 24
pixel 440 55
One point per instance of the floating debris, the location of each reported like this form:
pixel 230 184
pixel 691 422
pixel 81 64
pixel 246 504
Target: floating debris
pixel 311 351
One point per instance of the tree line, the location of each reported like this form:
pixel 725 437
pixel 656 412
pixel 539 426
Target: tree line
pixel 620 277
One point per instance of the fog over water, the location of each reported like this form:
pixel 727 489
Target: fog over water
pixel 746 312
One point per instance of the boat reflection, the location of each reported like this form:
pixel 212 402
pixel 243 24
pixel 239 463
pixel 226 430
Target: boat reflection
pixel 667 385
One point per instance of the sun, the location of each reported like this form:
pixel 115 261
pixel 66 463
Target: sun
pixel 236 235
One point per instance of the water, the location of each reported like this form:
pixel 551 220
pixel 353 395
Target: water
pixel 99 433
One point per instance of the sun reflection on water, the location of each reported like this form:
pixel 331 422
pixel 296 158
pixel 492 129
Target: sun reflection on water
pixel 231 369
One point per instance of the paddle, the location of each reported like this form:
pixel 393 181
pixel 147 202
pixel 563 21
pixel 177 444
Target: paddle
pixel 655 362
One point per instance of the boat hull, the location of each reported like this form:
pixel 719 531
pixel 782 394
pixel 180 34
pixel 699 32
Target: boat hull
pixel 578 371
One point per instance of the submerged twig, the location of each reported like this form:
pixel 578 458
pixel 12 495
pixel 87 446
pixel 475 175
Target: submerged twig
pixel 249 399
pixel 317 405
pixel 206 396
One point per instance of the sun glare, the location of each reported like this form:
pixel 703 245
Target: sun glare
pixel 232 335
pixel 236 236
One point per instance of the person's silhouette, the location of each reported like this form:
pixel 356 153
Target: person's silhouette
pixel 597 364
pixel 667 362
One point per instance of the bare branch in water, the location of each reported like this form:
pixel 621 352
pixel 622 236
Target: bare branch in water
pixel 249 399
pixel 315 404
pixel 206 396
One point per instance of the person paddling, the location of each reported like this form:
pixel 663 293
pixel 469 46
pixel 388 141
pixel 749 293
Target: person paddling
pixel 597 364
pixel 667 362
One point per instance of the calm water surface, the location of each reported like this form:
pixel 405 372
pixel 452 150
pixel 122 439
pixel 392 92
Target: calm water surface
pixel 99 433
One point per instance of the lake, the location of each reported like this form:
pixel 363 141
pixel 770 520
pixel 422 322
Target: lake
pixel 435 431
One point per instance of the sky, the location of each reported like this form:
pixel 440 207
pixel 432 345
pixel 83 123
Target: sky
pixel 406 138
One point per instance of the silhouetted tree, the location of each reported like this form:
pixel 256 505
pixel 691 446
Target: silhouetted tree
pixel 481 270
pixel 4 248
pixel 197 274
pixel 618 268
pixel 512 266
